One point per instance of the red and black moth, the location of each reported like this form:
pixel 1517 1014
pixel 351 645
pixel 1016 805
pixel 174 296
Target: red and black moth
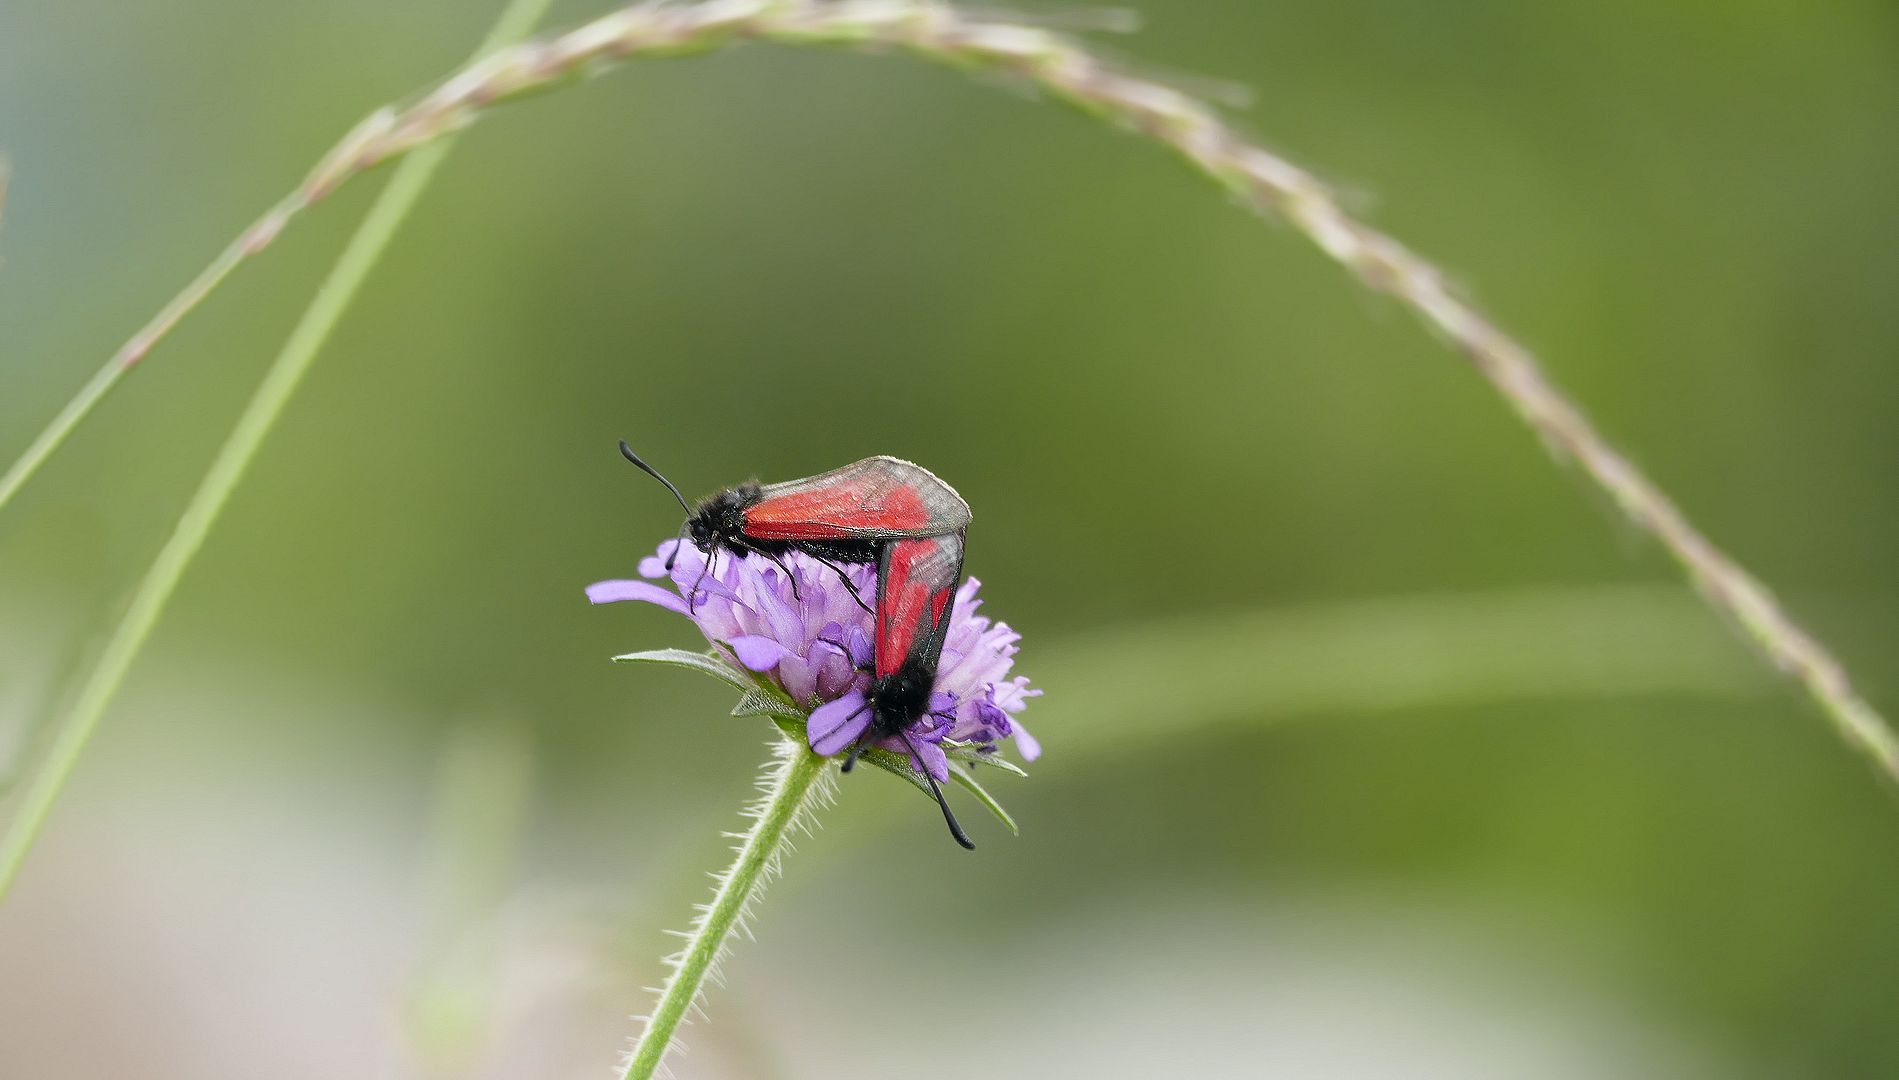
pixel 881 509
pixel 842 516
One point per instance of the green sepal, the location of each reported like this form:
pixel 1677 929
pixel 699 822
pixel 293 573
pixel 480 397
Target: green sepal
pixel 967 752
pixel 767 701
pixel 962 777
pixel 708 663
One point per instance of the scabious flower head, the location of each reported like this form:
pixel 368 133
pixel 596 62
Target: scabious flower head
pixel 814 643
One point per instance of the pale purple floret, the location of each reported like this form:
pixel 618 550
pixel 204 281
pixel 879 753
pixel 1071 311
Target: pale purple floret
pixel 746 608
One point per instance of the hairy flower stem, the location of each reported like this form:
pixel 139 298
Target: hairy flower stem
pixel 789 789
pixel 332 298
pixel 1191 130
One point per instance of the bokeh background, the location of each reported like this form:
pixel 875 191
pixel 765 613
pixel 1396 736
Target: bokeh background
pixel 1375 746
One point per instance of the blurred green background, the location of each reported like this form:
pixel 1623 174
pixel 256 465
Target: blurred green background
pixel 1375 746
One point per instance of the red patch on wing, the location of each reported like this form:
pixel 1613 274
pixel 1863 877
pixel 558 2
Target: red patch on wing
pixel 916 588
pixel 900 604
pixel 836 511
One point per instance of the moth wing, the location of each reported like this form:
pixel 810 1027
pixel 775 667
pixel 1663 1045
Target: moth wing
pixel 878 498
pixel 916 592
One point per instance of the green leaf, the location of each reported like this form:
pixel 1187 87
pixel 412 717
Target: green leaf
pixel 962 777
pixel 701 662
pixel 762 701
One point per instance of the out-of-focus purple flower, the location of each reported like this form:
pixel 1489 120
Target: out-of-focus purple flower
pixel 747 609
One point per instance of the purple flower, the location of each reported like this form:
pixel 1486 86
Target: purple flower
pixel 816 644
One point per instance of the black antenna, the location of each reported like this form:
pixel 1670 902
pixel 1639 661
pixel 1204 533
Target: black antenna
pixel 948 817
pixel 627 452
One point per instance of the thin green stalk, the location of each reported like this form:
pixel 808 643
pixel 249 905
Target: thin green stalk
pixel 129 354
pixel 789 788
pixel 234 458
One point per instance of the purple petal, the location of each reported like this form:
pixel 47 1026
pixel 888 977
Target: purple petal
pixel 828 637
pixel 757 653
pixel 931 759
pixel 654 566
pixel 1025 743
pixel 993 719
pixel 710 586
pixel 966 601
pixel 836 675
pixel 862 650
pixel 775 605
pixel 837 724
pixel 608 592
pixel 933 726
pixel 799 677
pixel 696 569
pixel 1014 694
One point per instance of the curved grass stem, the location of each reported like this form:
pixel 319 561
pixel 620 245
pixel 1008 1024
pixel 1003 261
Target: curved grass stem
pixel 240 448
pixel 791 783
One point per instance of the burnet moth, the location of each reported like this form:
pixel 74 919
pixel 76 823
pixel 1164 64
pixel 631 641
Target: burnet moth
pixel 883 510
pixel 842 516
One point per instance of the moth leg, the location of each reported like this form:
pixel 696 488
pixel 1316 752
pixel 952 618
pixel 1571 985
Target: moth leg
pixel 692 598
pixel 789 576
pixel 846 579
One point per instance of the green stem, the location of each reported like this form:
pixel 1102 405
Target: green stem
pixel 233 460
pixel 789 790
